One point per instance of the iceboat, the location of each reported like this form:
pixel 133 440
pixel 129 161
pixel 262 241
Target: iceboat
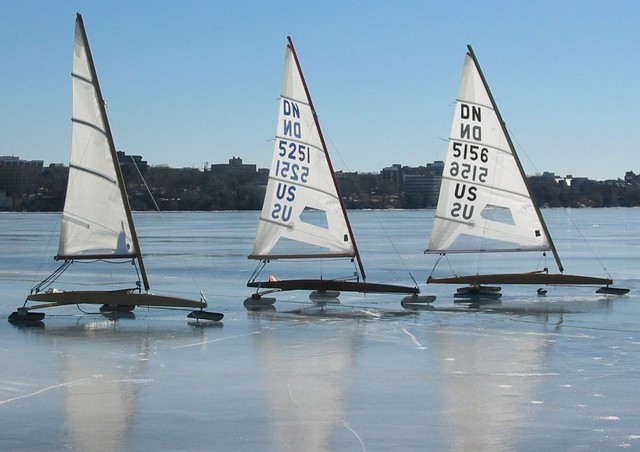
pixel 485 203
pixel 303 216
pixel 97 224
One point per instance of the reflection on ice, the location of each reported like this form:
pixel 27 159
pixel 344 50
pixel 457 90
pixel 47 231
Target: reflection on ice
pixel 486 381
pixel 307 383
pixel 99 401
pixel 529 373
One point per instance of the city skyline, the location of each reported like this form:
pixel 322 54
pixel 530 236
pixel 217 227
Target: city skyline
pixel 183 79
pixel 211 165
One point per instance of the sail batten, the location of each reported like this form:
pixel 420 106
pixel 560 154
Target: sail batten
pixel 82 78
pixel 306 103
pixel 95 173
pixel 504 190
pixel 506 150
pixel 304 141
pixel 320 190
pixel 91 125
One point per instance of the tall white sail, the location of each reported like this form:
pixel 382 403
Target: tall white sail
pixel 301 204
pixel 484 203
pixel 94 221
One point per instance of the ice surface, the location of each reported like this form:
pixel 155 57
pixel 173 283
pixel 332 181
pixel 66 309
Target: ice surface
pixel 528 373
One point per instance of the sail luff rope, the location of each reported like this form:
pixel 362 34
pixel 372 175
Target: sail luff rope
pixel 595 255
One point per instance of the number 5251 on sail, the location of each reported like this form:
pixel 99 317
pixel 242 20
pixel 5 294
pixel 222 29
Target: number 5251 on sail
pixel 295 152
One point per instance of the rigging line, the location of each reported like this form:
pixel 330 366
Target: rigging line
pixel 393 245
pixel 395 248
pixel 337 151
pixel 52 233
pixel 49 280
pixel 521 150
pixel 258 270
pixel 543 256
pixel 438 259
pixel 70 182
pixel 450 266
pixel 164 220
pixel 87 312
pixel 146 186
pixel 595 255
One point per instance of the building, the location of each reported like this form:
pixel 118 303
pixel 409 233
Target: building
pixel 235 169
pixel 631 178
pixel 423 181
pixel 132 164
pixel 19 177
pixel 392 175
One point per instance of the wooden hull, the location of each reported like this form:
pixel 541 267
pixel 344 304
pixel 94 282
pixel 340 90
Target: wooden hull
pixel 115 298
pixel 331 285
pixel 522 278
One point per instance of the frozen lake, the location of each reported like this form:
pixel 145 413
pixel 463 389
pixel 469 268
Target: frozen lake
pixel 529 373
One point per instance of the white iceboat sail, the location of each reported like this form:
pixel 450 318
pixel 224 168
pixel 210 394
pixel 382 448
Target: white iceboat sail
pixel 303 215
pixel 301 178
pixel 485 204
pixel 97 223
pixel 93 229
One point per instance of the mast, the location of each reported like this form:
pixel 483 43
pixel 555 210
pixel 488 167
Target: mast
pixel 114 155
pixel 326 153
pixel 517 159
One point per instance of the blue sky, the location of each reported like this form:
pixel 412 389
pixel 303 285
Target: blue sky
pixel 191 82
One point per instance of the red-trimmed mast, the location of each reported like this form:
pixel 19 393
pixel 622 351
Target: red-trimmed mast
pixel 326 153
